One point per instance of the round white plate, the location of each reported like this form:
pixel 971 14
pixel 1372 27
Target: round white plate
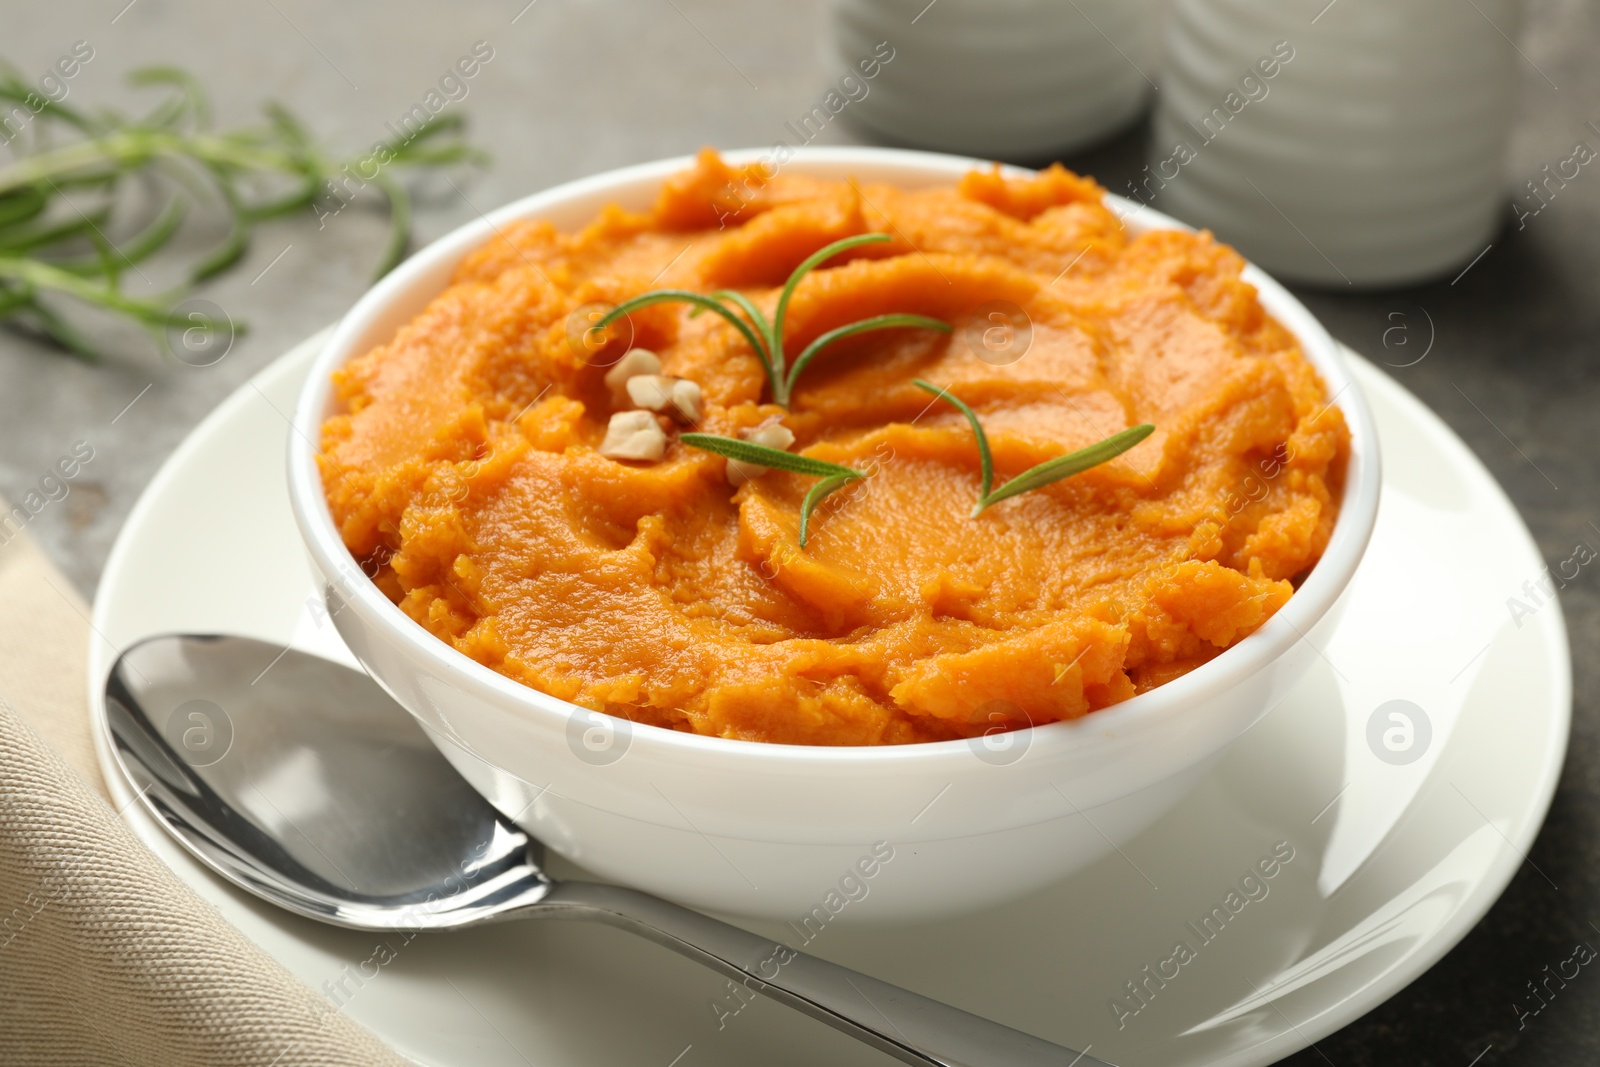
pixel 1392 862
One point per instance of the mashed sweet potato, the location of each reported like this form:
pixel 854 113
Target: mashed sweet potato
pixel 464 471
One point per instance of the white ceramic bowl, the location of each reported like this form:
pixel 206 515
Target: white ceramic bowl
pixel 783 831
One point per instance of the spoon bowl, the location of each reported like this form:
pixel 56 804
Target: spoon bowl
pixel 300 780
pixel 310 787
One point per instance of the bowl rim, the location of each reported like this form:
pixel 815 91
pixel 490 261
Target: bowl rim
pixel 1145 711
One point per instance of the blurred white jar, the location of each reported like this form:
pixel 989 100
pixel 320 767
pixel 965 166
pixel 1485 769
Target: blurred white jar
pixel 1373 155
pixel 1013 79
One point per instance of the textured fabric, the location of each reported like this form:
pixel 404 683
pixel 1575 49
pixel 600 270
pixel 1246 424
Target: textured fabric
pixel 105 957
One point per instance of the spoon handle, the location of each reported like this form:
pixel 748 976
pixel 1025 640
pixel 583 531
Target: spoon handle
pixel 910 1027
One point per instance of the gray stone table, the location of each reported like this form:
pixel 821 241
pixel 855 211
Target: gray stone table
pixel 579 86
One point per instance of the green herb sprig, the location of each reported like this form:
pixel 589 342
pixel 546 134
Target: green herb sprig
pixel 49 245
pixel 1052 470
pixel 834 476
pixel 766 337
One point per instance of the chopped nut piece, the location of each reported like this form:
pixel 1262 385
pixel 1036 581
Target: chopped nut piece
pixel 771 434
pixel 650 391
pixel 635 361
pixel 634 435
pixel 686 398
pixel 659 392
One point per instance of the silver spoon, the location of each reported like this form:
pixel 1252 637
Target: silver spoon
pixel 311 788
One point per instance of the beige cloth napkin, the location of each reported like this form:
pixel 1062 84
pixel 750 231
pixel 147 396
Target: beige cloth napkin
pixel 106 957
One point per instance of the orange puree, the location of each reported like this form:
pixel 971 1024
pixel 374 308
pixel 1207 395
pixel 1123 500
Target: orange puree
pixel 465 472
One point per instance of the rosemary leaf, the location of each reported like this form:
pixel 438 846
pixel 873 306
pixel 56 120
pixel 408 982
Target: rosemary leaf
pixel 985 456
pixel 762 326
pixel 188 102
pixel 59 331
pixel 234 246
pixel 1051 470
pixel 36 275
pixel 776 458
pixel 701 300
pixel 1066 466
pixel 881 322
pixel 766 338
pixel 814 497
pixel 18 239
pixel 139 247
pixel 745 304
pixel 807 265
pixel 21 205
pixel 394 250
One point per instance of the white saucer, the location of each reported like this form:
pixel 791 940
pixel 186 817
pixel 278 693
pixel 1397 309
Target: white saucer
pixel 1392 864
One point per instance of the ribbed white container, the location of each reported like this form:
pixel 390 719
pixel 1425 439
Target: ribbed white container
pixel 1376 154
pixel 1013 79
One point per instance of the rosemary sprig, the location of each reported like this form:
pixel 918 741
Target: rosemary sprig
pixel 814 497
pixel 1051 470
pixel 834 475
pixel 766 336
pixel 51 247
